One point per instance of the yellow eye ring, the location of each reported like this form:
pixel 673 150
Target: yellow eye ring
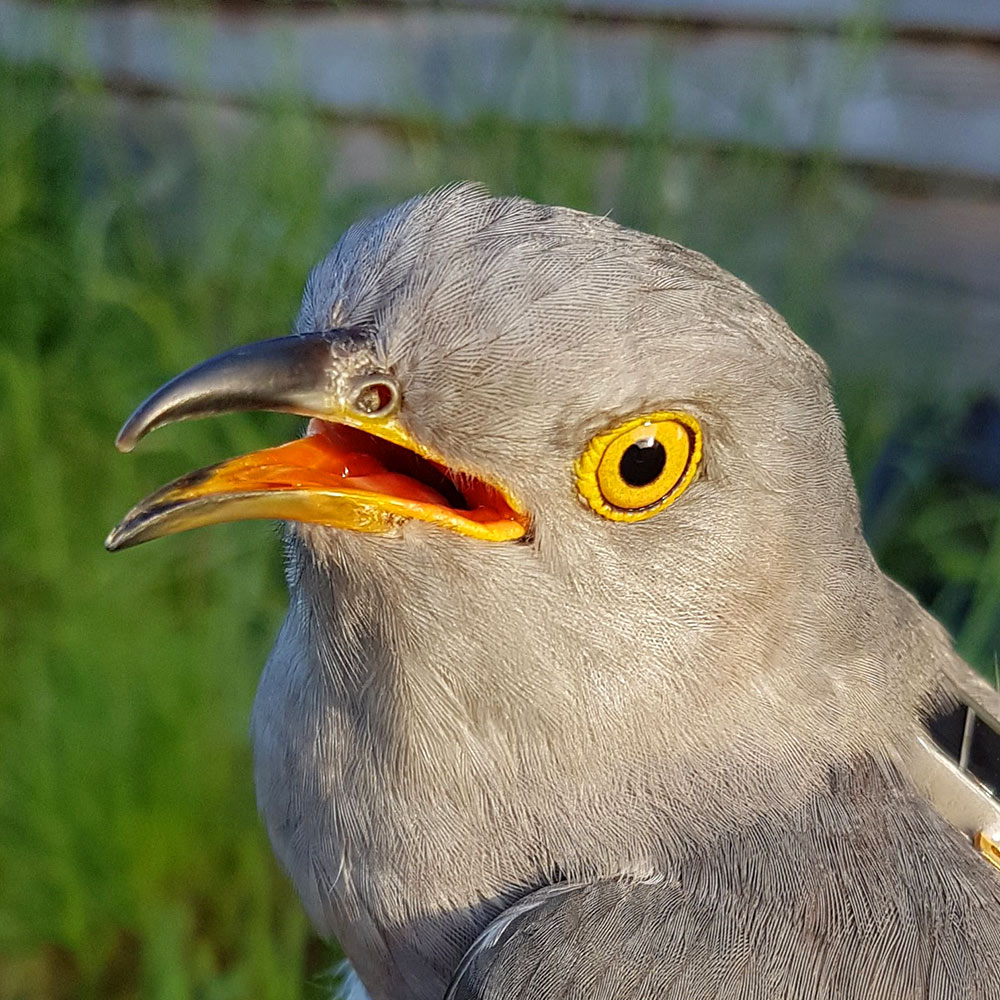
pixel 638 468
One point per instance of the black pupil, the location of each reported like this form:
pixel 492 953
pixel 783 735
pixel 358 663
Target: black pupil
pixel 642 462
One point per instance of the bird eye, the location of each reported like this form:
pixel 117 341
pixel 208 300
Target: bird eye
pixel 634 470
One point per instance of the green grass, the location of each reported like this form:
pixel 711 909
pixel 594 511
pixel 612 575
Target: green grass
pixel 132 862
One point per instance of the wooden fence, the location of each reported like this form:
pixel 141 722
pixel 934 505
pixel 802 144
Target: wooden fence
pixel 910 88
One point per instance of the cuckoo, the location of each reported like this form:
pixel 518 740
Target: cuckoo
pixel 589 687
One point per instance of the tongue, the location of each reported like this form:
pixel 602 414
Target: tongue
pixel 316 461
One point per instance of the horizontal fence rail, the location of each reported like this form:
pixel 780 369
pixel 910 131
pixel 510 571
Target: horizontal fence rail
pixel 899 103
pixel 969 18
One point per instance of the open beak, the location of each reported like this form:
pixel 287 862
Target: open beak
pixel 357 467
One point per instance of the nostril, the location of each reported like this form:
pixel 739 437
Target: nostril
pixel 375 396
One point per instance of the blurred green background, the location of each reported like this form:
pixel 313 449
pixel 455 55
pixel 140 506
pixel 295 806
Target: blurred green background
pixel 140 233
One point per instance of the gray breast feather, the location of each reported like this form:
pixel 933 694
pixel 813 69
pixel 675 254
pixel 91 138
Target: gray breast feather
pixel 866 894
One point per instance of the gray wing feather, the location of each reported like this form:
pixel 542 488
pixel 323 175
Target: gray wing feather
pixel 859 898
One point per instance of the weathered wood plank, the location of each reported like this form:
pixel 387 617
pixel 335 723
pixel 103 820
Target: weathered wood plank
pixel 909 104
pixel 939 240
pixel 919 280
pixel 960 17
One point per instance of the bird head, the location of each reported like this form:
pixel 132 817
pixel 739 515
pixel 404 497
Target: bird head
pixel 553 468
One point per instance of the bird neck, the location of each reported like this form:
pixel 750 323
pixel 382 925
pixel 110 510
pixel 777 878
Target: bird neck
pixel 473 698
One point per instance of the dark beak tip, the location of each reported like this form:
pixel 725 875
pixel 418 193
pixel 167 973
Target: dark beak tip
pixel 133 430
pixel 117 538
pixel 126 533
pixel 122 536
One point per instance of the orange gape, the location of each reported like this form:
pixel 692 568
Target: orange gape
pixel 316 461
pixel 337 457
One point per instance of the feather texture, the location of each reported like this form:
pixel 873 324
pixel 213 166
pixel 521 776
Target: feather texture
pixel 819 905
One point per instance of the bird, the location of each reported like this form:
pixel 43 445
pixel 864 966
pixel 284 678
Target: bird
pixel 589 685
